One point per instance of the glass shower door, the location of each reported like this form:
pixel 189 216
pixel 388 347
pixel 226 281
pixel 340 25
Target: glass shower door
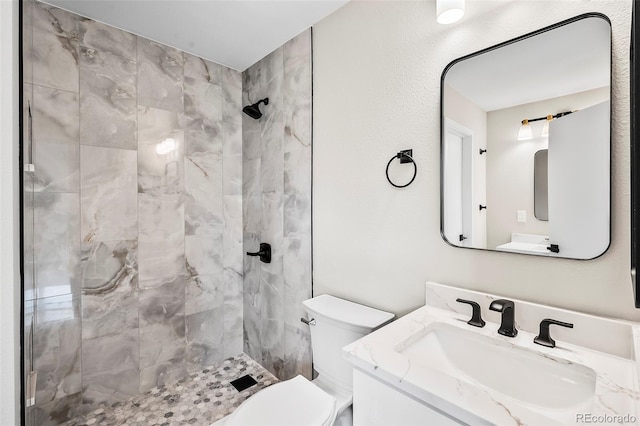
pixel 28 260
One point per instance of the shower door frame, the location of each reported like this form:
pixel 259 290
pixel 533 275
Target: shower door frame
pixel 23 405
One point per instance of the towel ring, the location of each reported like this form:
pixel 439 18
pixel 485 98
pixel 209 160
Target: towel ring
pixel 405 157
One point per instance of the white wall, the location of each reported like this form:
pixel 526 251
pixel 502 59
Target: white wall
pixel 377 68
pixel 510 165
pixel 9 217
pixel 474 118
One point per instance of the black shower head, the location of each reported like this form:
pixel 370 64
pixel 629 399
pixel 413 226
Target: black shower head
pixel 253 111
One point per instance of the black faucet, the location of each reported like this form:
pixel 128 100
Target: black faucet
pixel 544 338
pixel 508 309
pixel 476 317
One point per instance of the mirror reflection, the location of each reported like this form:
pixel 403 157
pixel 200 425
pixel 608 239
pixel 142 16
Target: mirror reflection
pixel 526 143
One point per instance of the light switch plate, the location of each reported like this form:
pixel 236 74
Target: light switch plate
pixel 522 216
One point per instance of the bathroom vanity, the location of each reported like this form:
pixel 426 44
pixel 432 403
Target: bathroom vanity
pixel 432 367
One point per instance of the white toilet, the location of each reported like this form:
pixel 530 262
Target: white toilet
pixel 326 400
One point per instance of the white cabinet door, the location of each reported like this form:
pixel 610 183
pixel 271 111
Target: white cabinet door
pixel 377 404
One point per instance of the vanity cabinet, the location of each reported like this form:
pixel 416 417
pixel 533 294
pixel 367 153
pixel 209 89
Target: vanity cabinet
pixel 377 403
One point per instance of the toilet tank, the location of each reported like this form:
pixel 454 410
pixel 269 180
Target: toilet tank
pixel 339 322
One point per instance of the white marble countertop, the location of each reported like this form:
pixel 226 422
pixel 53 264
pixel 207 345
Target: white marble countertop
pixel 617 381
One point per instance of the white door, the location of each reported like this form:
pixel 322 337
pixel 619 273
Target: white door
pixel 457 187
pixel 579 182
pixel 453 189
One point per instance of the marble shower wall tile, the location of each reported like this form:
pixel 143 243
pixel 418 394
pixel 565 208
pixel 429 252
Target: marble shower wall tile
pixel 204 255
pixel 57 243
pixel 56 123
pixel 160 151
pixel 109 288
pixel 138 246
pixel 205 143
pixel 109 202
pixel 107 99
pixel 252 301
pixel 233 268
pixel 232 96
pixel 297 352
pixel 160 76
pixel 162 374
pixel 297 136
pixel 271 313
pixel 232 159
pixel 205 337
pixel 56 350
pixel 251 196
pixel 203 292
pixel 276 188
pixel 233 313
pixel 27 40
pixel 297 287
pixel 204 273
pixel 55 412
pixel 297 280
pixel 110 368
pixel 202 103
pixel 108 39
pixel 162 323
pixel 201 69
pixel 160 238
pixel 162 332
pixel 251 137
pixel 233 254
pixel 272 165
pixel 55 47
pixel 203 184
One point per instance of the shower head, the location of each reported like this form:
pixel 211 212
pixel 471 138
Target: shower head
pixel 253 111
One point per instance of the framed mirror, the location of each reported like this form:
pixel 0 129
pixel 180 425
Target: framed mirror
pixel 526 141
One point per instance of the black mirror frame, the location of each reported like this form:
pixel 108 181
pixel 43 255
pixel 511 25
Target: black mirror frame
pixel 635 153
pixel 514 40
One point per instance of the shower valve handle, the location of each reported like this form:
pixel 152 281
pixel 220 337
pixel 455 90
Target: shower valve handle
pixel 264 253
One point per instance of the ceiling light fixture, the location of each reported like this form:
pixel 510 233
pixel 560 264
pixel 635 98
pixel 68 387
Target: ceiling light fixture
pixel 449 11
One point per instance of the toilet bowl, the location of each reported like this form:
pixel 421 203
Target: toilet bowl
pixel 334 323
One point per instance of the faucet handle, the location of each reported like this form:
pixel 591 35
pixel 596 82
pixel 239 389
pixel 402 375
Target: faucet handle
pixel 476 317
pixel 544 338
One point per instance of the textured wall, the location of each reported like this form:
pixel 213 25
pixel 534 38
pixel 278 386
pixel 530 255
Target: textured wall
pixel 137 253
pixel 376 91
pixel 277 208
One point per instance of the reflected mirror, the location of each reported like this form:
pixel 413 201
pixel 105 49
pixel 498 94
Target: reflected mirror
pixel 541 184
pixel 525 143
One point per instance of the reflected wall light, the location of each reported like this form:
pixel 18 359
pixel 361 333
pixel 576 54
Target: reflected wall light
pixel 545 128
pixel 525 132
pixel 166 146
pixel 449 11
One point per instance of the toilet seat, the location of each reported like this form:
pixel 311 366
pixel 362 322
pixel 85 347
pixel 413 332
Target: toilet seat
pixel 293 402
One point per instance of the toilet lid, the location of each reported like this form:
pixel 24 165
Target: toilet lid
pixel 293 402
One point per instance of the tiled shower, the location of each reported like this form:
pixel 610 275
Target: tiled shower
pixel 149 186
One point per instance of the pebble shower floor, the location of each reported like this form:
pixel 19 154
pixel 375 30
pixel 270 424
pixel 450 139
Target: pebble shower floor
pixel 200 398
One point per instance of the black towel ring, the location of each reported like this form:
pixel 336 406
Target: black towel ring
pixel 405 157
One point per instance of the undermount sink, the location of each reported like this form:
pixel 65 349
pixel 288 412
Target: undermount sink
pixel 531 377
